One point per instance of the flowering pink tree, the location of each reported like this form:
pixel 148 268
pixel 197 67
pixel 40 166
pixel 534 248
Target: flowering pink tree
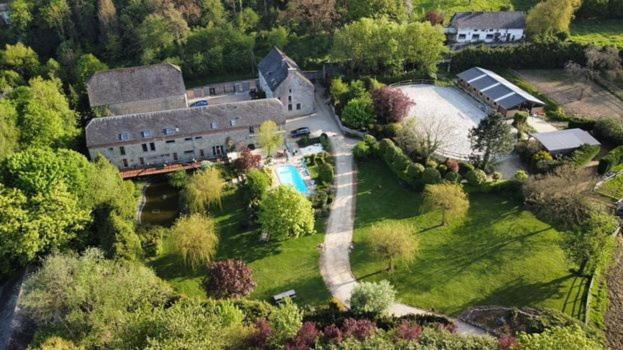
pixel 305 338
pixel 391 105
pixel 247 160
pixel 260 337
pixel 358 329
pixel 408 331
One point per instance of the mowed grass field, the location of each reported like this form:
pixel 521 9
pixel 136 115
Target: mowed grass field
pixel 598 32
pixel 501 255
pixel 277 266
pixel 449 7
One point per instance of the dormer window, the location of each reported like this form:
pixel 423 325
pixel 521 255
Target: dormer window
pixel 146 133
pixel 213 125
pixel 168 131
pixel 124 136
pixel 232 122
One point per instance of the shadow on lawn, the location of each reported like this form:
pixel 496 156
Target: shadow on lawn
pixel 307 291
pixel 522 293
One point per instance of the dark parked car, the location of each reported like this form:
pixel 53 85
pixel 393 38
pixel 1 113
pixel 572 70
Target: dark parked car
pixel 200 103
pixel 300 132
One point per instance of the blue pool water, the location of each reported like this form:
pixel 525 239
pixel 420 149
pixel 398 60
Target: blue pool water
pixel 289 175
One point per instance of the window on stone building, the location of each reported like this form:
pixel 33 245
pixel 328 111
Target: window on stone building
pixel 290 107
pixel 461 36
pixel 175 156
pixel 169 141
pixel 298 106
pixel 251 130
pixel 201 153
pixel 144 147
pixel 122 150
pixel 168 131
pixel 289 98
pixel 188 139
pixel 141 160
pixel 146 133
pixel 198 137
pixel 213 125
pixel 124 136
pixel 125 163
pixel 152 146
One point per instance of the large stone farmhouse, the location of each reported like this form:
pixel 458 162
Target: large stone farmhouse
pixel 487 27
pixel 280 77
pixel 156 128
pixel 141 89
pixel 498 93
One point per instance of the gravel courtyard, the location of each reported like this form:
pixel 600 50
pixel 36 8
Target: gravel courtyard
pixel 447 113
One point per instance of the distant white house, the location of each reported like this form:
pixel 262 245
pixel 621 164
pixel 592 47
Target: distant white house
pixel 487 27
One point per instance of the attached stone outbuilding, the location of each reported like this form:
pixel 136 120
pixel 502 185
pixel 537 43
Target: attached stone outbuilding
pixel 142 89
pixel 280 77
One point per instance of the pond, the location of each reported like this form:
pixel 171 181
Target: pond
pixel 161 204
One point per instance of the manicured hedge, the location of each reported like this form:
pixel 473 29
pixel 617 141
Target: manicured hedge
pixel 610 131
pixel 613 158
pixel 551 55
pixel 584 154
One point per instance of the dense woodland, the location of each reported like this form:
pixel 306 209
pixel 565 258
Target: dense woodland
pixel 74 217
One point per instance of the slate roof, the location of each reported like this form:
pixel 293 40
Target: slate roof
pixel 135 84
pixel 182 122
pixel 274 67
pixel 498 89
pixel 565 139
pixel 489 20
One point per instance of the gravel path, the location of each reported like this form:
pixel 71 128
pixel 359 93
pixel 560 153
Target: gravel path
pixel 335 257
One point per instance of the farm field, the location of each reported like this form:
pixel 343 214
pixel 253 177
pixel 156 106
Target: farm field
pixel 598 32
pixel 576 96
pixel 277 266
pixel 501 255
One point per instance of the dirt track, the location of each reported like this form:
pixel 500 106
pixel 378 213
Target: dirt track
pixel 576 96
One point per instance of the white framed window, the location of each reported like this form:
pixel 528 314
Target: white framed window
pixel 146 133
pixel 124 136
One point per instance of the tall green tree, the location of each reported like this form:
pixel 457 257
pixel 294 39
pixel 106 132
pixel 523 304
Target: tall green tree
pixel 448 198
pixel 21 59
pixel 551 17
pixel 269 137
pixel 195 239
pixel 9 133
pixel 492 137
pixel 204 190
pixel 394 9
pixel 284 213
pixel 393 242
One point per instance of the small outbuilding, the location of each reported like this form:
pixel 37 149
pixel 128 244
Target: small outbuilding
pixel 563 142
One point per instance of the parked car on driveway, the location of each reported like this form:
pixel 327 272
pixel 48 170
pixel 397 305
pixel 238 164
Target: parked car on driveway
pixel 200 103
pixel 304 131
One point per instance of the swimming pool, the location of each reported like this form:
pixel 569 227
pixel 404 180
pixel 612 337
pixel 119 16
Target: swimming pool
pixel 289 175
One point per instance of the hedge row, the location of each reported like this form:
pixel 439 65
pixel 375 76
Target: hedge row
pixel 545 55
pixel 584 155
pixel 613 158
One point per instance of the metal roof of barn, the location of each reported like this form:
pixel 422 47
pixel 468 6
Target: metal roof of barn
pixel 562 140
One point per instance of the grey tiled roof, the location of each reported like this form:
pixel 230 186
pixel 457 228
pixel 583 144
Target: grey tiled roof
pixel 274 67
pixel 180 122
pixel 498 89
pixel 489 20
pixel 565 139
pixel 135 84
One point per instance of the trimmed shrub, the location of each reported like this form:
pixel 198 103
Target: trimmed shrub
pixel 541 155
pixel 372 143
pixel 326 173
pixel 452 177
pixel 442 168
pixel 415 171
pixel 372 298
pixel 465 168
pixel 476 177
pixel 392 129
pixel 521 175
pixel 610 131
pixel 431 163
pixel 584 155
pixel 361 151
pixel 431 176
pixel 229 279
pixel 581 123
pixel 613 158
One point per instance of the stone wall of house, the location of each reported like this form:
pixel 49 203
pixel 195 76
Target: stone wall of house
pixel 181 149
pixel 145 106
pixel 297 95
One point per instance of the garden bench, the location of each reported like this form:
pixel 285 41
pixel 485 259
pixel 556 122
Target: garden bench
pixel 278 298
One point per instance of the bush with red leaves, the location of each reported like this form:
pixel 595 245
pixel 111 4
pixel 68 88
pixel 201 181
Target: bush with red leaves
pixel 358 329
pixel 391 104
pixel 247 160
pixel 448 327
pixel 229 279
pixel 452 165
pixel 332 334
pixel 434 17
pixel 407 330
pixel 305 338
pixel 260 336
pixel 508 343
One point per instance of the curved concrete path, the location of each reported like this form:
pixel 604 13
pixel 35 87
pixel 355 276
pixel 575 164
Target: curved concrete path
pixel 334 259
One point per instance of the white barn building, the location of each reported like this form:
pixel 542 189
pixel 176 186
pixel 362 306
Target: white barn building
pixel 487 27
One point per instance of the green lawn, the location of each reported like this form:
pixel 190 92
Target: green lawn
pixel 613 187
pixel 598 32
pixel 449 7
pixel 501 255
pixel 277 267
